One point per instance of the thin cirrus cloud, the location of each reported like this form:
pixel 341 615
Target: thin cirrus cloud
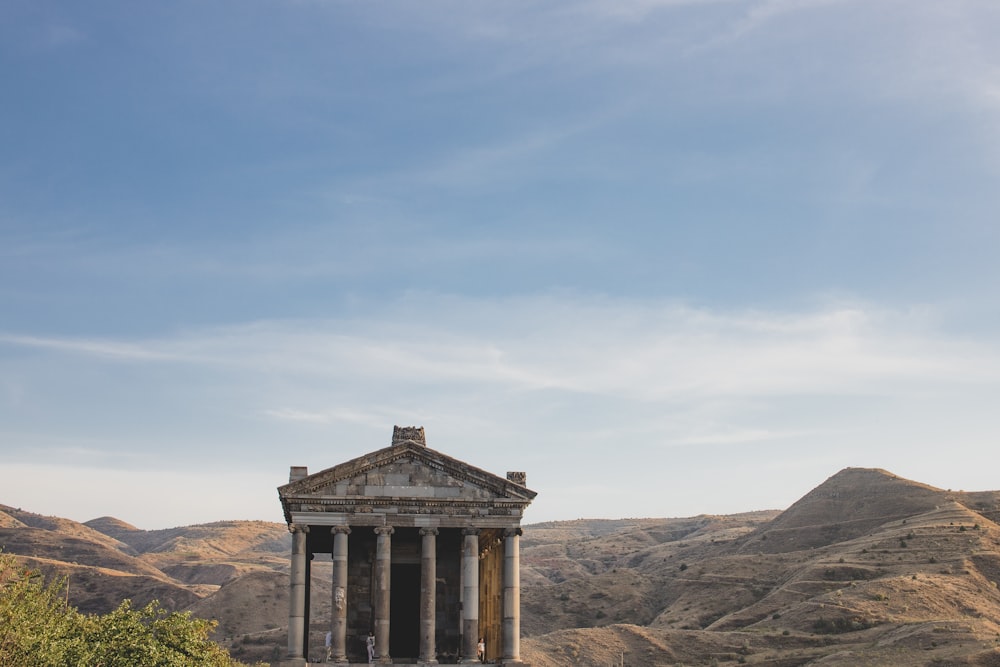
pixel 532 378
pixel 102 348
pixel 643 351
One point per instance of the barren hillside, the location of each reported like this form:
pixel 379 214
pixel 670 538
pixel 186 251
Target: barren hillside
pixel 866 569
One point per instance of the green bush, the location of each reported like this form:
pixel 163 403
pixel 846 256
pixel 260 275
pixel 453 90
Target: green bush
pixel 38 628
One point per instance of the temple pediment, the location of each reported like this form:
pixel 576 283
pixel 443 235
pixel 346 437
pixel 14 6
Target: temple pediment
pixel 406 478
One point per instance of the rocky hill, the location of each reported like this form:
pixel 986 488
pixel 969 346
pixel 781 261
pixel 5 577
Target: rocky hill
pixel 866 569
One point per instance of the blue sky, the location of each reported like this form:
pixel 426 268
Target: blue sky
pixel 668 257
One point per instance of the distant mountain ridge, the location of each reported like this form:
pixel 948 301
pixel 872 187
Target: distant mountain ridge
pixel 866 569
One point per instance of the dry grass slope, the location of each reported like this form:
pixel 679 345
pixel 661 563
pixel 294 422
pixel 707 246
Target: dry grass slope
pixel 866 569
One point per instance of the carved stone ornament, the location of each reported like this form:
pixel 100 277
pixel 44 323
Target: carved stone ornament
pixel 518 477
pixel 412 433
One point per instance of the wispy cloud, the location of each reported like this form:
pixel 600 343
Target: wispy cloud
pixel 373 418
pixel 110 349
pixel 760 13
pixel 642 350
pixel 633 10
pixel 657 381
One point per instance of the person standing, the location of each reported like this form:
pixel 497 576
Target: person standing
pixel 370 643
pixel 481 650
pixel 327 642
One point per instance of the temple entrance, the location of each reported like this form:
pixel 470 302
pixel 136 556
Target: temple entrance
pixel 404 611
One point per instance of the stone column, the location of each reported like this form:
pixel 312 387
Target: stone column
pixel 428 597
pixel 383 573
pixel 512 596
pixel 307 617
pixel 470 594
pixel 338 616
pixel 297 594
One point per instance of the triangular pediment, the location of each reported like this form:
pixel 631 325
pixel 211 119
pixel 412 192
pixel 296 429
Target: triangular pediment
pixel 407 473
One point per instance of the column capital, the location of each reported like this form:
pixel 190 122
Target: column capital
pixel 340 530
pixel 298 528
pixel 384 530
pixel 510 532
pixel 471 531
pixel 428 531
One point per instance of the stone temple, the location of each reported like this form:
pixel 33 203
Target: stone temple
pixel 426 556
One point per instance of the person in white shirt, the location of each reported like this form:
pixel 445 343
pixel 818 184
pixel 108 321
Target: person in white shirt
pixel 370 643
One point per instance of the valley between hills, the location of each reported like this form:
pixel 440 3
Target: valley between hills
pixel 866 569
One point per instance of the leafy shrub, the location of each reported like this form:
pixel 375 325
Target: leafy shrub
pixel 38 628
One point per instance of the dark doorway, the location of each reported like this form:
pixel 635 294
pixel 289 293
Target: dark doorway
pixel 404 611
